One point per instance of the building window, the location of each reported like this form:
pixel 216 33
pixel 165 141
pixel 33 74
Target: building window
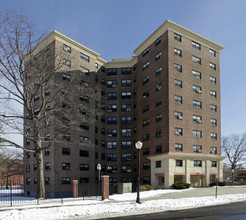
pixel 158 56
pixel 126 132
pixel 112 108
pixel 27 168
pixel 212 66
pixel 66 180
pixel 112 132
pixel 145 80
pixel 145 66
pixel 83 138
pixel 158 71
pixel 178 67
pixel 158 163
pixel 212 52
pixel 213 122
pixel 213 93
pixel 47 151
pixel 126 107
pixel 126 120
pixel 112 71
pixel 126 144
pixel 146 137
pixel 146 165
pixel 179 163
pixel 112 145
pixel 111 120
pixel 177 52
pixel 84 167
pixel 84 70
pixel 158 118
pixel 213 163
pixel 145 108
pixel 84 57
pixel 47 91
pixel 213 136
pixel 146 51
pixel 84 153
pixel 197 163
pixel 145 95
pixel 126 71
pixel 126 157
pixel 65 77
pixel 158 102
pixel 177 37
pixel 111 95
pixel 67 62
pixel 197 104
pixel 84 180
pixel 65 151
pixel 196 45
pixel 67 137
pixel 112 157
pixel 178 99
pixel 197 89
pixel 84 126
pixel 112 169
pixel 36 97
pixel 126 95
pixel 196 74
pixel 213 80
pixel 178 83
pixel 213 150
pixel 66 48
pixel 158 134
pixel 178 115
pixel 158 87
pixel 197 119
pixel 197 134
pixel 196 60
pixel 47 180
pixel 197 149
pixel 178 131
pixel 126 83
pixel 213 108
pixel 178 147
pixel 158 41
pixel 66 166
pixel 158 149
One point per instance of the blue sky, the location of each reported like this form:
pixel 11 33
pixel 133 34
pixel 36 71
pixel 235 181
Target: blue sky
pixel 114 28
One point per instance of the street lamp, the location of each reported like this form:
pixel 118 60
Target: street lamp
pixel 232 170
pixel 99 167
pixel 138 145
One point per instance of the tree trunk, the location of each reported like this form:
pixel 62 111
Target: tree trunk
pixel 40 173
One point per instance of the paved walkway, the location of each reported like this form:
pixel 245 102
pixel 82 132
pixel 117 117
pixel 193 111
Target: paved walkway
pixel 199 192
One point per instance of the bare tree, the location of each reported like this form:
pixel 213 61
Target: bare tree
pixel 26 70
pixel 234 147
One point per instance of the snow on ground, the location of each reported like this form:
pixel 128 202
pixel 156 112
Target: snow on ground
pixel 107 208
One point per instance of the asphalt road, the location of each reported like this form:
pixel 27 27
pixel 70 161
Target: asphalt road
pixel 231 211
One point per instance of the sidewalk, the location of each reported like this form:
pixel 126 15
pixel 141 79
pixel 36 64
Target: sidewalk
pixel 200 192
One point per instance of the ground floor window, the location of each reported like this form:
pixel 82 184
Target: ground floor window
pixel 197 180
pixel 179 179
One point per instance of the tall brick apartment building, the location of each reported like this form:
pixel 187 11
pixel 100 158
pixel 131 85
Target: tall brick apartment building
pixel 167 96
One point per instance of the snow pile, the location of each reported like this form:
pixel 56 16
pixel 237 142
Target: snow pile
pixel 109 208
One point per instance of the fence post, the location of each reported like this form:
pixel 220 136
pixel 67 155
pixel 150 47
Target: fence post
pixel 11 199
pixel 105 187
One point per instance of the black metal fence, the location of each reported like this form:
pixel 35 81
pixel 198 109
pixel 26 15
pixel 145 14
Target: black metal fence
pixel 14 194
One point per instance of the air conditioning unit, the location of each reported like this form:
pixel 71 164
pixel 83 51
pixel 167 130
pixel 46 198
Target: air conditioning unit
pixel 176 132
pixel 180 117
pixel 199 151
pixel 199 91
pixel 199 121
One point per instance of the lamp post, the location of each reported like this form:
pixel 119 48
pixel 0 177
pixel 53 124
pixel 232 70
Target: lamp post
pixel 138 145
pixel 232 170
pixel 99 167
